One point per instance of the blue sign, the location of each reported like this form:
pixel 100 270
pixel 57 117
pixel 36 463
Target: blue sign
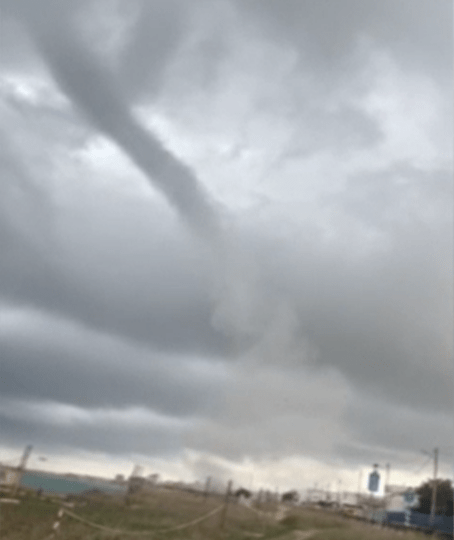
pixel 374 481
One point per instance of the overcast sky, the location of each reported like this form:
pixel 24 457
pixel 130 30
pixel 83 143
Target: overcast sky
pixel 226 237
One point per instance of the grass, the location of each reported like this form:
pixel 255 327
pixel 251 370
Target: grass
pixel 366 532
pixel 32 519
pixel 306 519
pixel 329 526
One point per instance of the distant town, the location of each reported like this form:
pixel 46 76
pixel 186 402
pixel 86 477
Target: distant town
pixel 406 506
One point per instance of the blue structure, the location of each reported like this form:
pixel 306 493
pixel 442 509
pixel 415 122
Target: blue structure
pixel 374 481
pixel 442 524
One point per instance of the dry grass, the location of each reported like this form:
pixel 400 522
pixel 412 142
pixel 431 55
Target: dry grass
pixel 366 532
pixel 32 519
pixel 306 519
pixel 329 526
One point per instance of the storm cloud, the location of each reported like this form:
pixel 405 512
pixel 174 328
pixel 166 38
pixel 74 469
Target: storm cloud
pixel 226 234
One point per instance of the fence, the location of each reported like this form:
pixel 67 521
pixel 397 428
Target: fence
pixel 442 524
pixel 150 532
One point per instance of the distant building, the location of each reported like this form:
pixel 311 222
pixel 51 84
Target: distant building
pixel 9 476
pixel 347 498
pixel 140 483
pixel 395 498
pixel 153 478
pixel 120 479
pixel 316 496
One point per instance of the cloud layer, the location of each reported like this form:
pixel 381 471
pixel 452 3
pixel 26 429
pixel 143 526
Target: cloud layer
pixel 290 296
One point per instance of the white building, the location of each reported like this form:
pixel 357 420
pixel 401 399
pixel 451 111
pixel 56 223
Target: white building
pixel 396 500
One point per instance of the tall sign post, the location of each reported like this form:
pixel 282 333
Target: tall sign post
pixel 20 469
pixel 374 480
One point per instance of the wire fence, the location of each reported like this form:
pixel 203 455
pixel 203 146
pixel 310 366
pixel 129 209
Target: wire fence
pixel 63 511
pixel 150 532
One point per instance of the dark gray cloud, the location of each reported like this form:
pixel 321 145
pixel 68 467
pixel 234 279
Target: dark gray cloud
pixel 372 318
pixel 324 328
pixel 381 318
pixel 92 435
pixel 145 284
pixel 376 421
pixel 158 31
pixel 140 311
pixel 331 36
pixel 82 376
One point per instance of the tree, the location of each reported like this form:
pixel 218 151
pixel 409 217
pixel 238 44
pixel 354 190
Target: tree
pixel 444 497
pixel 290 496
pixel 242 492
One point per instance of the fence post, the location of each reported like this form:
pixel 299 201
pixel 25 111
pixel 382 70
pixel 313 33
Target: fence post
pixel 226 502
pixel 56 524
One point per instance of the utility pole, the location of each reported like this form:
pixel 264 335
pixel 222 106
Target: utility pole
pixel 434 487
pixel 207 487
pixel 20 469
pixel 360 478
pixel 226 502
pixel 388 472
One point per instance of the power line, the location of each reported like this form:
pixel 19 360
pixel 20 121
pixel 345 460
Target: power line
pixel 426 462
